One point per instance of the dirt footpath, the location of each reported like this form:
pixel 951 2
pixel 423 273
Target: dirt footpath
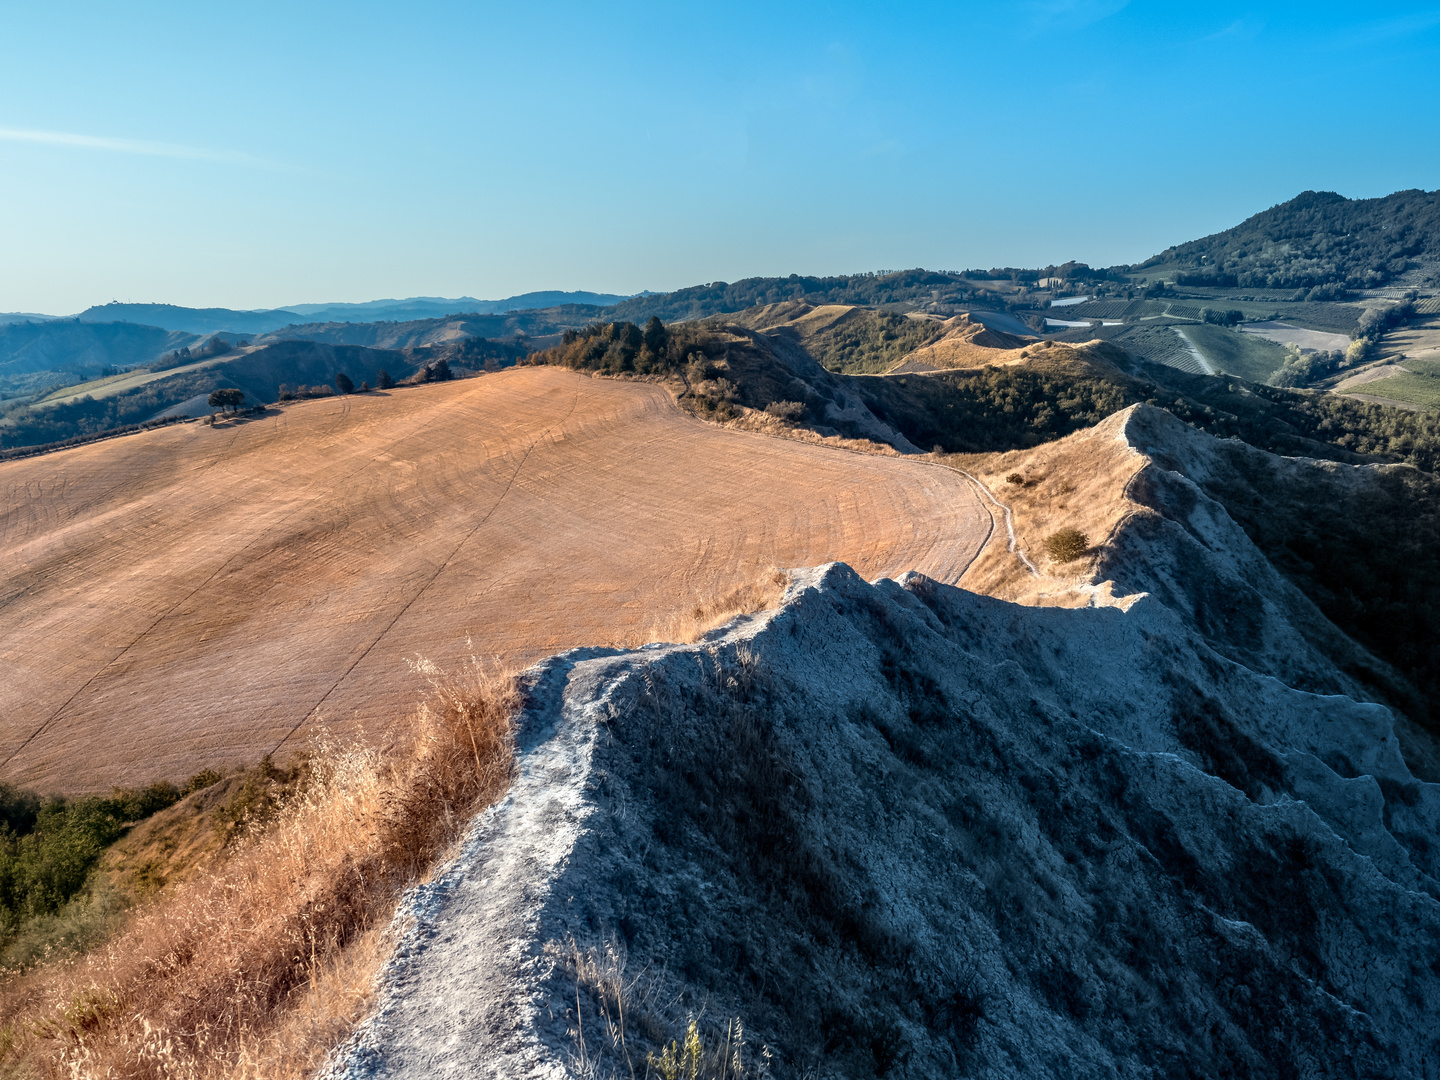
pixel 187 597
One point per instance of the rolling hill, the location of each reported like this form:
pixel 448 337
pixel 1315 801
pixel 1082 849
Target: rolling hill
pixel 141 395
pixel 268 320
pixel 750 378
pixel 1145 824
pixel 191 596
pixel 1165 805
pixel 1317 238
pixel 34 355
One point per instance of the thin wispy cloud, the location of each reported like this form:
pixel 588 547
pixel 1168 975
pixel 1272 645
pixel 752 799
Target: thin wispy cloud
pixel 1246 29
pixel 1071 14
pixel 127 146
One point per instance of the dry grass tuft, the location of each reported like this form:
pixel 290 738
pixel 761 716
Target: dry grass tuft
pixel 259 967
pixel 706 613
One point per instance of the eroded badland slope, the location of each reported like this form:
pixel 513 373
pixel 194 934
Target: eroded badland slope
pixel 192 596
pixel 1150 823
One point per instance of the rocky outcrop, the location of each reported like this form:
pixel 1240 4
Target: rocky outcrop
pixel 900 829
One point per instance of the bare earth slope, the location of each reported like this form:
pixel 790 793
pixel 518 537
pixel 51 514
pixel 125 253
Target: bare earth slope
pixel 966 343
pixel 188 596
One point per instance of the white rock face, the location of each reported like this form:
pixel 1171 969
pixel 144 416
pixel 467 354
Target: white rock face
pixel 903 830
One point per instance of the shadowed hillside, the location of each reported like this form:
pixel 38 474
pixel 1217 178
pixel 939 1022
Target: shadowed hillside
pixel 35 356
pixel 191 320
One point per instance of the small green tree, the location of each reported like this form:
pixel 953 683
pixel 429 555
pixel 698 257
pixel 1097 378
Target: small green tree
pixel 228 399
pixel 383 381
pixel 439 371
pixel 1359 351
pixel 343 383
pixel 1066 545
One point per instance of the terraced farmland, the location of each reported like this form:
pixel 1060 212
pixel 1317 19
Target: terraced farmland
pixel 1159 345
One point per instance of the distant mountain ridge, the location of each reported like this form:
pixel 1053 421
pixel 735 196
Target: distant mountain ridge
pixel 268 320
pixel 433 307
pixel 415 333
pixel 1319 244
pixel 190 320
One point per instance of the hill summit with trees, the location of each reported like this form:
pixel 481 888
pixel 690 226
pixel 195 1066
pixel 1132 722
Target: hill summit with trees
pixel 1318 240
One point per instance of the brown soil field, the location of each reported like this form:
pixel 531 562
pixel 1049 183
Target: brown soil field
pixel 1284 334
pixel 194 596
pixel 1418 341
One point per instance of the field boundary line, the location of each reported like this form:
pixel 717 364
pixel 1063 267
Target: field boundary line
pixel 172 608
pixel 1194 350
pixel 433 577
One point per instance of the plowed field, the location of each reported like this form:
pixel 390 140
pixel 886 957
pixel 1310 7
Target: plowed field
pixel 192 596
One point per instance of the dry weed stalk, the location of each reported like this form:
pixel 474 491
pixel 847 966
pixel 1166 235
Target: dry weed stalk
pixel 258 968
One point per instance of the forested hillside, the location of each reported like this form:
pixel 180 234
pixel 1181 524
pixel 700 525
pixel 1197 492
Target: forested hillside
pixel 414 333
pixel 723 298
pixel 1316 239
pixel 78 348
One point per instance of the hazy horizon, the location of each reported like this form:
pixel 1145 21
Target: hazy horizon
pixel 298 304
pixel 244 159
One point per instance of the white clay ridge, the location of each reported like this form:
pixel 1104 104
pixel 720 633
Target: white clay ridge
pixel 900 829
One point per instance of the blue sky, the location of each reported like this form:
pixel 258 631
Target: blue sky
pixel 251 155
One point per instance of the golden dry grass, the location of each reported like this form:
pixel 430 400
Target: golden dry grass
pixel 707 613
pixel 1078 482
pixel 183 599
pixel 259 967
pixel 965 344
